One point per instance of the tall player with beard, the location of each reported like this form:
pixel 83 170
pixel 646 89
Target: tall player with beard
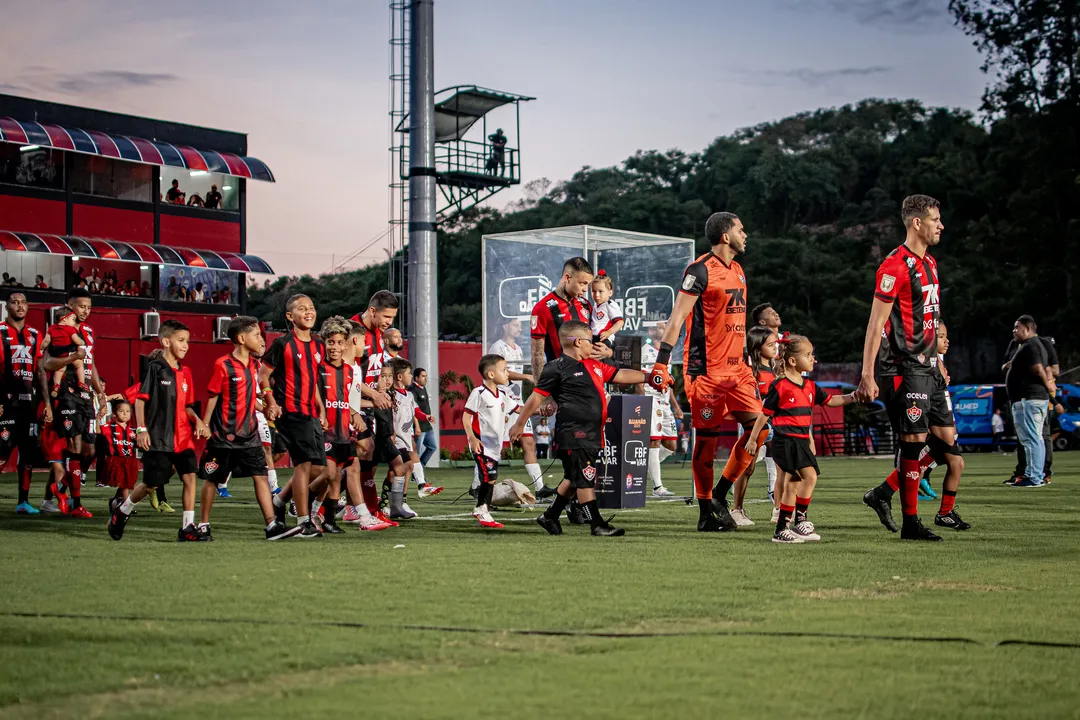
pixel 905 373
pixel 381 311
pixel 712 302
pixel 19 346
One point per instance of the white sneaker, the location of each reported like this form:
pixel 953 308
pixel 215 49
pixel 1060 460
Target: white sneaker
pixel 483 516
pixel 805 530
pixel 739 516
pixel 372 524
pixel 775 515
pixel 49 506
pixel 662 492
pixel 406 513
pixel 787 537
pixel 427 491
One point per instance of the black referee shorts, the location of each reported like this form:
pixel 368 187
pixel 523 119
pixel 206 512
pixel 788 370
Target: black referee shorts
pixel 907 401
pixel 303 437
pixel 218 462
pixel 580 466
pixel 158 466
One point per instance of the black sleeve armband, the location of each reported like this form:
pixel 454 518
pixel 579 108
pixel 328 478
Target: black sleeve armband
pixel 663 355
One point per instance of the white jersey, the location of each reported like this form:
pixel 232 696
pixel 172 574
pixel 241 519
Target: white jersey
pixel 648 359
pixel 355 396
pixel 404 415
pixel 605 315
pixel 491 411
pixel 514 363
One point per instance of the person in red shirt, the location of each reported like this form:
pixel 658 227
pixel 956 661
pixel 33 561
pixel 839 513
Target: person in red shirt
pixel 164 413
pixel 790 404
pixel 381 311
pixel 762 346
pixel 118 465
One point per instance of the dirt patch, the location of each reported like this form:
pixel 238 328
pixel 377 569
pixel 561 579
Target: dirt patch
pixel 896 588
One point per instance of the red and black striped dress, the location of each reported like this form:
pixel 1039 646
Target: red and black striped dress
pixel 116 455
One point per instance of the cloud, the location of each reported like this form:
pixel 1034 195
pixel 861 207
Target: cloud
pixel 811 76
pixel 10 88
pixel 94 80
pixel 895 15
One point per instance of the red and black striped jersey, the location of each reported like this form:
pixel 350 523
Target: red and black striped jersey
pixel 294 369
pixel 373 350
pixel 910 284
pixel 19 354
pixel 236 385
pixel 549 314
pixel 168 393
pixel 791 406
pixel 336 380
pixel 765 377
pixel 116 440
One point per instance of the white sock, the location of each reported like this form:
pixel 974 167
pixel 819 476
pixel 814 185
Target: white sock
pixel 301 519
pixel 204 526
pixel 654 467
pixel 770 468
pixel 222 486
pixel 535 474
pixel 270 526
pixel 362 511
pixel 665 453
pixel 278 501
pixel 271 476
pixel 315 505
pixel 480 510
pixel 128 506
pixel 188 518
pixel 418 474
pixel 475 477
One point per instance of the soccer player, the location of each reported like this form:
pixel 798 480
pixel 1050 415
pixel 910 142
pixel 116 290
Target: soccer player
pixel 235 447
pixel 74 414
pixel 295 404
pixel 381 311
pixel 712 301
pixel 576 382
pixel 663 437
pixel 356 356
pixel 790 404
pixel 484 421
pixel 164 412
pixel 906 297
pixel 507 348
pixel 19 345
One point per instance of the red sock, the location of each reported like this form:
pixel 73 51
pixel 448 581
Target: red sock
pixel 894 477
pixel 367 487
pixel 702 465
pixel 909 485
pixel 948 501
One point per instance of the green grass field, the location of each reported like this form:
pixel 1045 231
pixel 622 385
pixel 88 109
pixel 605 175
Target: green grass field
pixel 245 628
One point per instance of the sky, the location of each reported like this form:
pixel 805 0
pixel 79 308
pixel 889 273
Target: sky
pixel 307 81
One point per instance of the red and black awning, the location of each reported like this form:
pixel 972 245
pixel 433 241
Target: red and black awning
pixel 99 249
pixel 125 147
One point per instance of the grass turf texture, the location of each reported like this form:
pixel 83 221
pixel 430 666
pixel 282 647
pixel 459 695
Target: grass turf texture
pixel 242 627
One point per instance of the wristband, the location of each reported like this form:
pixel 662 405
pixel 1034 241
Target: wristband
pixel 663 355
pixel 267 390
pixel 139 431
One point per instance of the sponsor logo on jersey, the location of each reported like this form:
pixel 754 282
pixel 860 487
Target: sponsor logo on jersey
pixel 910 262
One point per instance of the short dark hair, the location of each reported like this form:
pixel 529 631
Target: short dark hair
pixel 572 326
pixel 1028 322
pixel 400 366
pixel 417 371
pixel 239 325
pixel 290 304
pixel 718 224
pixel 917 206
pixel 357 329
pixel 76 293
pixel 384 300
pixel 9 293
pixel 170 328
pixel 577 265
pixel 487 362
pixel 758 311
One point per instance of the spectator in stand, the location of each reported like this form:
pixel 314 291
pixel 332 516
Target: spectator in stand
pixel 146 292
pixel 1030 384
pixel 110 275
pixel 195 200
pixel 198 295
pixel 215 298
pixel 175 194
pixel 39 282
pixel 131 289
pixel 12 282
pixel 997 425
pixel 213 199
pixel 226 296
pixel 81 284
pixel 172 290
pixel 6 278
pixel 182 294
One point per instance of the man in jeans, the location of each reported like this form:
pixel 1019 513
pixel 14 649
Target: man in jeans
pixel 1054 369
pixel 1030 385
pixel 425 444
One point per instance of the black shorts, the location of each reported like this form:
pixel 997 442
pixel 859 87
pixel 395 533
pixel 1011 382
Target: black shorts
pixel 580 466
pixel 341 453
pixel 277 443
pixel 304 439
pixel 793 454
pixel 158 466
pixel 907 399
pixel 369 423
pixel 386 451
pixel 19 430
pixel 218 462
pixel 488 468
pixel 941 405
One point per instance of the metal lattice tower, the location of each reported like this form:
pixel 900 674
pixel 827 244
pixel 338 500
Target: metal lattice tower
pixel 400 30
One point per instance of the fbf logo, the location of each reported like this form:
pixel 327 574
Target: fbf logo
pixel 518 295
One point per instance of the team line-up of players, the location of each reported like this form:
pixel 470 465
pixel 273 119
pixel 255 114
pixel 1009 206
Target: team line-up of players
pixel 342 406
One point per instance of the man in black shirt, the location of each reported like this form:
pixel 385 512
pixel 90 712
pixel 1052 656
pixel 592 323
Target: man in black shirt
pixel 175 194
pixel 1030 384
pixel 426 444
pixel 1052 365
pixel 576 382
pixel 213 199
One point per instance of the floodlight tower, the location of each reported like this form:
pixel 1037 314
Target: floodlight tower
pixel 428 150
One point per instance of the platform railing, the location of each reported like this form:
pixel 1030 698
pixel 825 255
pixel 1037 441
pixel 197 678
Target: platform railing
pixel 477 158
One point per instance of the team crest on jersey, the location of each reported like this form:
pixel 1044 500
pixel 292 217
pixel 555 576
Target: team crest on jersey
pixel 67 424
pixel 589 472
pixel 328 447
pixel 184 387
pixel 914 413
pixel 318 357
pixel 599 372
pixel 210 468
pixel 534 321
pixel 659 413
pixel 706 413
pixel 887 283
pixel 5 434
pixel 599 314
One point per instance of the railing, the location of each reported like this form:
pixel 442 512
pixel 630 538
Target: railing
pixel 477 158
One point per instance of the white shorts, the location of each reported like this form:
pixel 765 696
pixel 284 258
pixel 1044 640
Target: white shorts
pixel 513 418
pixel 264 429
pixel 663 421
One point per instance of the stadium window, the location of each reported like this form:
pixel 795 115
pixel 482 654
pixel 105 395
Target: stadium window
pixel 197 188
pixel 94 175
pixel 25 268
pixel 31 166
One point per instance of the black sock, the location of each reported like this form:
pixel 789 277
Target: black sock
pixel 48 490
pixel 160 490
pixel 119 495
pixel 721 489
pixel 593 509
pixel 484 493
pixel 557 506
pixel 782 520
pixel 24 495
pixel 76 502
pixel 885 490
pixel 704 509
